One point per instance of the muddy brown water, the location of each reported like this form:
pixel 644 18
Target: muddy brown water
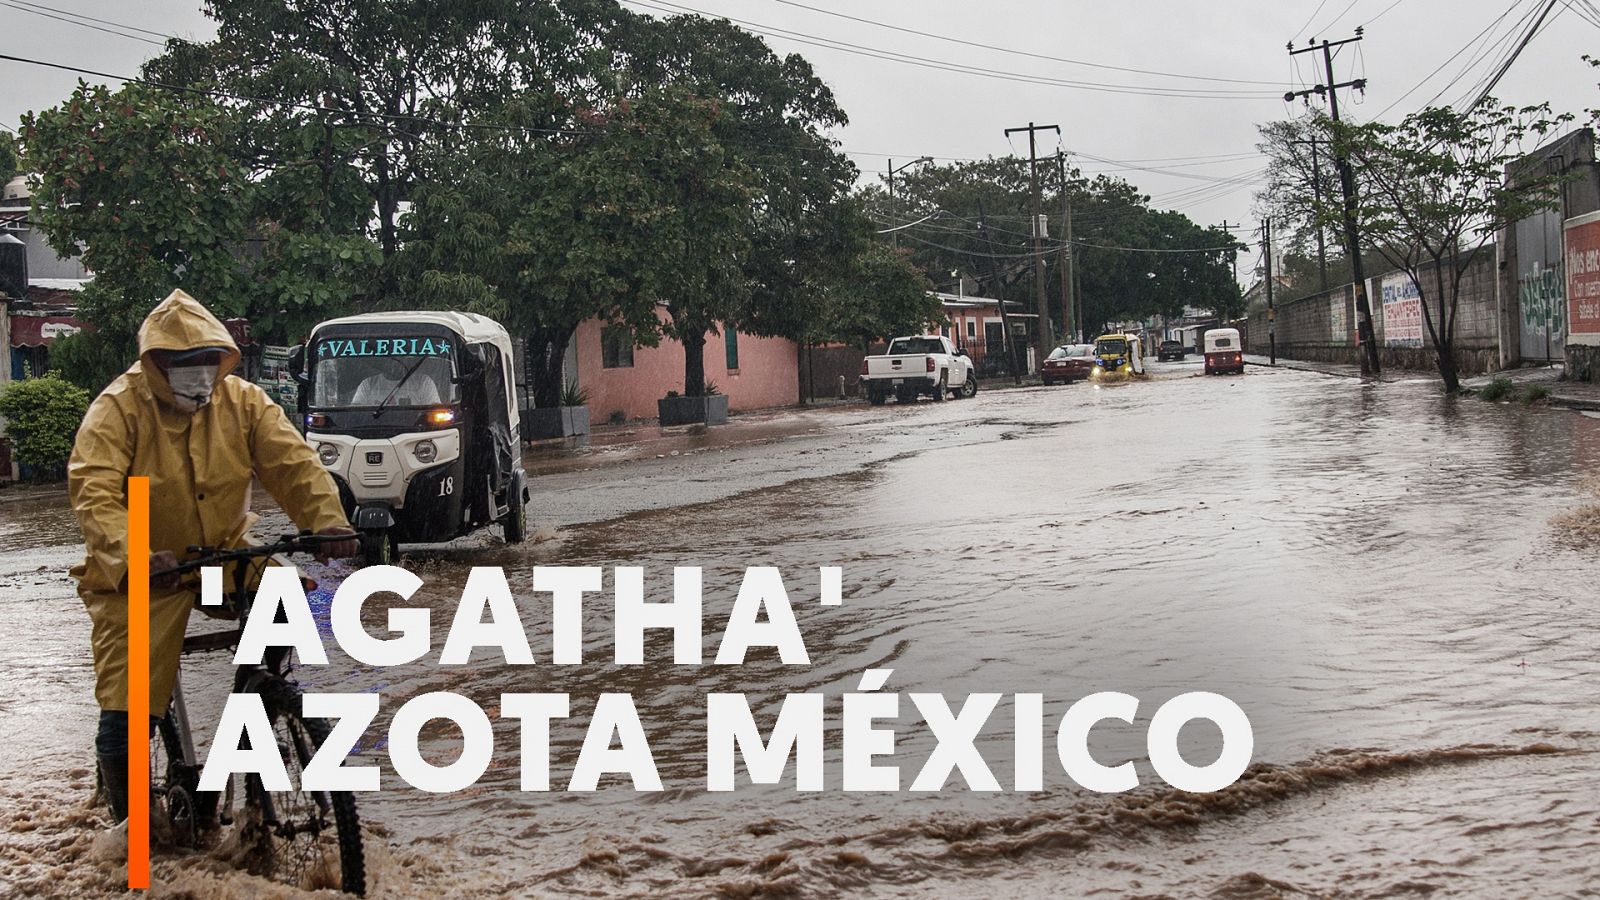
pixel 1369 571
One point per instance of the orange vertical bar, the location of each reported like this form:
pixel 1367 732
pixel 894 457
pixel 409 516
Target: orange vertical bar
pixel 138 683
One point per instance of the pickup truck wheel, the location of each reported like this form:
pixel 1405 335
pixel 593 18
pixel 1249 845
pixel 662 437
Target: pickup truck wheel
pixel 969 388
pixel 941 391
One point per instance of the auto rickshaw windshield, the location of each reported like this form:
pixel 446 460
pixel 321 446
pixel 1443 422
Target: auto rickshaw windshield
pixel 407 373
pixel 1111 347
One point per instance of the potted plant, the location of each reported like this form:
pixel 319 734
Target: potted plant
pixel 568 419
pixel 711 408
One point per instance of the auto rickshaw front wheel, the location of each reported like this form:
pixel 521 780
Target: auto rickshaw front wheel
pixel 515 524
pixel 377 548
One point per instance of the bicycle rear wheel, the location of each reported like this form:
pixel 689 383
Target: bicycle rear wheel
pixel 307 839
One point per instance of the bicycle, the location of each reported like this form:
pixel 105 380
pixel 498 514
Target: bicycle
pixel 284 835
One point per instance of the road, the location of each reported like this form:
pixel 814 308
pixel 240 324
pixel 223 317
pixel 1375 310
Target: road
pixel 1371 571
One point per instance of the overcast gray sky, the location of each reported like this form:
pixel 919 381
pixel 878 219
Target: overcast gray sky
pixel 904 110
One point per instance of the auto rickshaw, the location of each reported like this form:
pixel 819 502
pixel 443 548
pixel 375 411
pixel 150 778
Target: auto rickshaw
pixel 415 416
pixel 1224 353
pixel 1117 354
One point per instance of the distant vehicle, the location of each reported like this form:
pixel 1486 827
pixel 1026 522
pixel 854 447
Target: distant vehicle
pixel 913 366
pixel 1068 363
pixel 1169 350
pixel 1224 352
pixel 1118 354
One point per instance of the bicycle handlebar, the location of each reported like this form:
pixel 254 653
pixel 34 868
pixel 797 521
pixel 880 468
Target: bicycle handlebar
pixel 302 542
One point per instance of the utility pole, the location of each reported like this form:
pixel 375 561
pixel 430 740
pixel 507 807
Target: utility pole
pixel 1069 321
pixel 1316 190
pixel 1042 338
pixel 1347 183
pixel 999 295
pixel 894 211
pixel 1272 314
pixel 1230 229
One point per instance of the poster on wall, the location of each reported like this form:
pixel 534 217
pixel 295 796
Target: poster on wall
pixel 1339 318
pixel 1402 311
pixel 275 378
pixel 1583 279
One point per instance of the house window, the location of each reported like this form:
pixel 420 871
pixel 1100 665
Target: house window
pixel 616 347
pixel 731 338
pixel 972 329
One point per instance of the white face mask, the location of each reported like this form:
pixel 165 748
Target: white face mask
pixel 191 386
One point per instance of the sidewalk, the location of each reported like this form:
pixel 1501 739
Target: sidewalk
pixel 1567 394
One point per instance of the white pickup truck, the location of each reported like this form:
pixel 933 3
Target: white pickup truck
pixel 924 364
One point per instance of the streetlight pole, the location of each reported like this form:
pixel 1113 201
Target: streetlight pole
pixel 894 236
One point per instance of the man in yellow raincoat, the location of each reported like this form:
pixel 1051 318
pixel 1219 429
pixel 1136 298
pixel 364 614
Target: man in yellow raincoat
pixel 200 434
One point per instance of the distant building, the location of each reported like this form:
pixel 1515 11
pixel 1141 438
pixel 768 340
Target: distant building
pixel 38 288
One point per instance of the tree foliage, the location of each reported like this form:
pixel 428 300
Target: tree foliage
pixel 880 294
pixel 1132 261
pixel 138 184
pixel 42 416
pixel 1434 190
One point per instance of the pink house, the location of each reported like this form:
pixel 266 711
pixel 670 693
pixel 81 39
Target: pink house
pixel 755 373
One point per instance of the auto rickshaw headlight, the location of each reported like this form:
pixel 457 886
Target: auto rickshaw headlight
pixel 425 452
pixel 328 453
pixel 441 416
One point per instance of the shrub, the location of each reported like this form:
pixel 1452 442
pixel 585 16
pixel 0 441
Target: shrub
pixel 1535 393
pixel 92 359
pixel 1496 390
pixel 617 417
pixel 42 416
pixel 572 395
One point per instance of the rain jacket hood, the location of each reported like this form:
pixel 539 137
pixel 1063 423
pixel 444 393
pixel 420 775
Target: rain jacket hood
pixel 181 323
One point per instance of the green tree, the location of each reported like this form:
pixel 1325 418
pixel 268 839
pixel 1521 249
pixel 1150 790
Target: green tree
pixel 879 294
pixel 42 416
pixel 771 123
pixel 136 182
pixel 546 234
pixel 1435 191
pixel 10 158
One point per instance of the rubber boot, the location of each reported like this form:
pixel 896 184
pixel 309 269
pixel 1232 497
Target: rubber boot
pixel 114 776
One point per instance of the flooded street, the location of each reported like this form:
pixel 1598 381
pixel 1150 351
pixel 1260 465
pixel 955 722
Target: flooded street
pixel 1369 570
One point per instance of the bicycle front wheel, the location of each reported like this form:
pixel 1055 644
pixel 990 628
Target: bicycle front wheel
pixel 306 839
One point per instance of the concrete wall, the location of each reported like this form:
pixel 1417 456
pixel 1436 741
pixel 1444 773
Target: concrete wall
pixel 768 374
pixel 1322 327
pixel 1574 156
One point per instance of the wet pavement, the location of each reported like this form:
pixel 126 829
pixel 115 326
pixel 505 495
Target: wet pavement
pixel 1378 575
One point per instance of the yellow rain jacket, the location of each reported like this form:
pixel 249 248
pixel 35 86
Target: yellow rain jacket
pixel 200 467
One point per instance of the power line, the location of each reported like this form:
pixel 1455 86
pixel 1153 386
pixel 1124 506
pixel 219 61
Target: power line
pixel 1429 77
pixel 1307 24
pixel 1500 73
pixel 662 6
pixel 1337 19
pixel 77 15
pixel 40 12
pixel 1012 50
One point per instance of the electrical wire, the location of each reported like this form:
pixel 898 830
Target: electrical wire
pixel 1483 94
pixel 1011 50
pixel 47 15
pixel 1472 42
pixel 1307 24
pixel 76 15
pixel 663 6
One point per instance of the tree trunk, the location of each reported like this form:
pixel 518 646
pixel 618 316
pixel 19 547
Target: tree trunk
pixel 1446 348
pixel 547 354
pixel 694 363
